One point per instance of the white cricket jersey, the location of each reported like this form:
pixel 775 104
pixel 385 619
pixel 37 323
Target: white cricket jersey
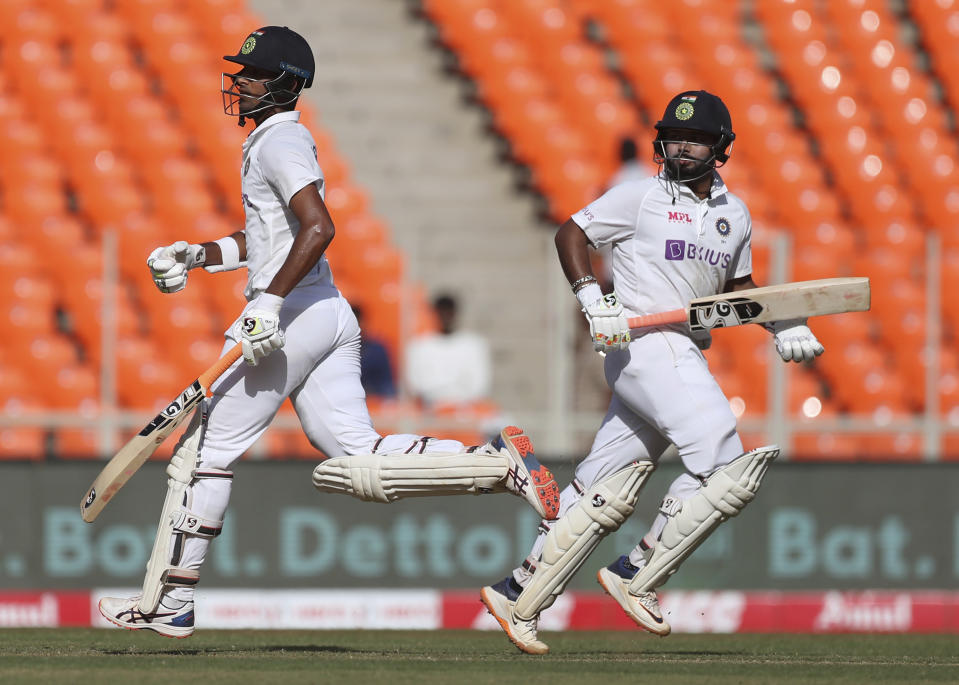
pixel 664 252
pixel 279 159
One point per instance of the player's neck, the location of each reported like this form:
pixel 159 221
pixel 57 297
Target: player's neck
pixel 259 117
pixel 701 186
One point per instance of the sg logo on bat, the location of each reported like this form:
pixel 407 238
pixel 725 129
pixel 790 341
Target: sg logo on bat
pixel 732 312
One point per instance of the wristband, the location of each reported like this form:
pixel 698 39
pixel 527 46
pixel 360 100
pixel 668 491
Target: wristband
pixel 588 294
pixel 581 283
pixel 230 256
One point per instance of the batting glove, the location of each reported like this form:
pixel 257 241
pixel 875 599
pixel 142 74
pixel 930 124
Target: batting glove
pixel 794 341
pixel 607 324
pixel 169 265
pixel 260 332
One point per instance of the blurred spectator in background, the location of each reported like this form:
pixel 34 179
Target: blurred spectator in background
pixel 376 371
pixel 451 366
pixel 631 167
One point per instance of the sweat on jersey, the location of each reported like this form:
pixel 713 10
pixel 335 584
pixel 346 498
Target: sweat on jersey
pixel 279 160
pixel 665 253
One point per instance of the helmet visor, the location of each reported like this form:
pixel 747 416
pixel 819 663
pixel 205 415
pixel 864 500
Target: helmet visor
pixel 244 95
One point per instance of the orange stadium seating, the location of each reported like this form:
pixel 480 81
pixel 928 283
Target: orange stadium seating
pixel 842 144
pixel 119 126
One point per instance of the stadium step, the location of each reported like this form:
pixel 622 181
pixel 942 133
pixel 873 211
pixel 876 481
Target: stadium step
pixel 420 151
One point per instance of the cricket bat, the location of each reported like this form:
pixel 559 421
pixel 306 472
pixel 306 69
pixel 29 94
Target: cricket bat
pixel 132 455
pixel 796 300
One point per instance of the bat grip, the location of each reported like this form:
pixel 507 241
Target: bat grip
pixel 658 319
pixel 220 365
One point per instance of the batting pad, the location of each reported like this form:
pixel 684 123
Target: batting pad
pixel 724 494
pixel 389 477
pixel 572 538
pixel 180 472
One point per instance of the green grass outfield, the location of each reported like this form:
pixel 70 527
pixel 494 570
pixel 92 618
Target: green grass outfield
pixel 93 656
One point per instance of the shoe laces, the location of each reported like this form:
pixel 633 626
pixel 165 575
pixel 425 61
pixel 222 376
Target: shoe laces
pixel 650 601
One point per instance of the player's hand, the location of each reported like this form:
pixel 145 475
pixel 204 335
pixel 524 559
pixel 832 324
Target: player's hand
pixel 608 324
pixel 794 341
pixel 260 332
pixel 169 265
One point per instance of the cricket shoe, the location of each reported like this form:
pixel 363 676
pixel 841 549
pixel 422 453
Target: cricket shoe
pixel 526 476
pixel 642 608
pixel 499 600
pixel 172 618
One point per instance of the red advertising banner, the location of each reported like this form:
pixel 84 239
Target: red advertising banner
pixel 878 611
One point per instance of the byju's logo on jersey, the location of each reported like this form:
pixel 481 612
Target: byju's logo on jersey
pixel 678 218
pixel 675 249
pixel 678 250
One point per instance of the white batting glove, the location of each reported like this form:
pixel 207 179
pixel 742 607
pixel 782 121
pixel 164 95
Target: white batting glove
pixel 169 265
pixel 608 324
pixel 794 341
pixel 260 332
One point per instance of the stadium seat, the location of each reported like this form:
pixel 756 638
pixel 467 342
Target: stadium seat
pixel 74 387
pixel 42 355
pixel 28 308
pixel 149 380
pixel 77 443
pixel 21 442
pixel 346 202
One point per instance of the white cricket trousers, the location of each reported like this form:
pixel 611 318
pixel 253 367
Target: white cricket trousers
pixel 663 393
pixel 318 368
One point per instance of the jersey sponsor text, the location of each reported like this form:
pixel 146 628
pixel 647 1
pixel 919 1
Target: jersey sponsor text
pixel 678 250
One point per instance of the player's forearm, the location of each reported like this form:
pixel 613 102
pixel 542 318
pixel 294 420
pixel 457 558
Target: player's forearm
pixel 214 253
pixel 573 249
pixel 744 283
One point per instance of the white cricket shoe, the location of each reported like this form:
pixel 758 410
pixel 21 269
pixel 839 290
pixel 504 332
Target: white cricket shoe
pixel 526 477
pixel 173 618
pixel 642 608
pixel 499 600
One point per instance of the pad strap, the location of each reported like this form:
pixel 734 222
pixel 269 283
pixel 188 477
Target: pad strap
pixel 186 521
pixel 192 523
pixel 180 577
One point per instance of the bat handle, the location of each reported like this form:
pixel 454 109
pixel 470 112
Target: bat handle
pixel 658 319
pixel 222 364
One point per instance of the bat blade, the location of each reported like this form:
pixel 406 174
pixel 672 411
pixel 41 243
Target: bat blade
pixel 141 446
pixel 797 300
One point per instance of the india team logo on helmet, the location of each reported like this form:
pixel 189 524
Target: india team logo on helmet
pixel 685 109
pixel 722 226
pixel 248 45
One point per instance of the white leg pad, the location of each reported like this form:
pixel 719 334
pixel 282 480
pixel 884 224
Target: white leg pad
pixel 180 472
pixel 185 516
pixel 723 494
pixel 389 477
pixel 601 510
